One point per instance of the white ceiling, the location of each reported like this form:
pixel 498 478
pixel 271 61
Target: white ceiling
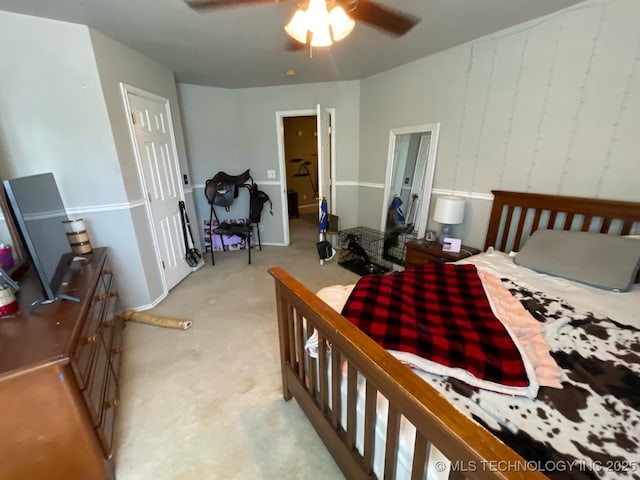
pixel 245 46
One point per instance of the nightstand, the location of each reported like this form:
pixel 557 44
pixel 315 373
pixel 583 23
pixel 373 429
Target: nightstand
pixel 420 252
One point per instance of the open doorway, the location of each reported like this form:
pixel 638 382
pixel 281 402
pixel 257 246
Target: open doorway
pixel 306 169
pixel 301 166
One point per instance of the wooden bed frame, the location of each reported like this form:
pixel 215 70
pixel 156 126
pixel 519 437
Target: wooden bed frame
pixel 513 218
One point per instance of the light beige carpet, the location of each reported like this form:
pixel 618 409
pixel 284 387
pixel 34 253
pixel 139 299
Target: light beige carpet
pixel 206 403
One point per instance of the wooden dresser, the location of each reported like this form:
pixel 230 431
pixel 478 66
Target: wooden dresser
pixel 420 252
pixel 59 378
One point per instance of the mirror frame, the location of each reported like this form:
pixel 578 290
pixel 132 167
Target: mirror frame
pixel 434 129
pixel 19 253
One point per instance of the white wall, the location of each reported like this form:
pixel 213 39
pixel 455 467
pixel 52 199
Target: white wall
pixel 550 106
pixel 211 129
pixel 52 116
pixel 54 119
pixel 61 111
pixel 233 130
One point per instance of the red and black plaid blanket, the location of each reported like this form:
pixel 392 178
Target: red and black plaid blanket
pixel 439 312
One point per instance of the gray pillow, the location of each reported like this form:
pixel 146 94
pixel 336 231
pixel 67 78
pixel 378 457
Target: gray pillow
pixel 637 238
pixel 600 260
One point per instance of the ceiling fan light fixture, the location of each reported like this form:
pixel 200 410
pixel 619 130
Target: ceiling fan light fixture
pixel 325 27
pixel 318 23
pixel 321 36
pixel 341 23
pixel 298 26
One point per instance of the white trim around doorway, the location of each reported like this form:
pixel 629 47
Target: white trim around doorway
pixel 282 174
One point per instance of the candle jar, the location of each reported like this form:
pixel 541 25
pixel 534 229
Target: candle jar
pixel 77 236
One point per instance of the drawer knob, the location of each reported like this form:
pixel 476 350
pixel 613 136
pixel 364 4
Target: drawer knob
pixel 92 338
pixel 112 403
pixel 108 324
pixel 101 297
pixel 116 350
pixel 115 293
pixel 108 271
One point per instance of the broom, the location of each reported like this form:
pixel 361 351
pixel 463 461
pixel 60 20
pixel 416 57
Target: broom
pixel 156 320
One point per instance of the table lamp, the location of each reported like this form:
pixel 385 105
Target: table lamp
pixel 449 211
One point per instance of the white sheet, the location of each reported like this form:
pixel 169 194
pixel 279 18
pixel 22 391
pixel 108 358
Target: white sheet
pixel 438 467
pixel 623 307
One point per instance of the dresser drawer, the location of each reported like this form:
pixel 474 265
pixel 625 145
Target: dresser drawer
pixel 96 384
pixel 111 401
pixel 116 347
pixel 107 275
pixel 96 380
pixel 82 358
pixel 108 324
pixel 415 258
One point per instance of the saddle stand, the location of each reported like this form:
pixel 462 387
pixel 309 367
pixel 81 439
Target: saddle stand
pixel 222 190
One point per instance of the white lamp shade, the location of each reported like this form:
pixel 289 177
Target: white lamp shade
pixel 297 27
pixel 341 24
pixel 325 27
pixel 321 36
pixel 318 23
pixel 449 210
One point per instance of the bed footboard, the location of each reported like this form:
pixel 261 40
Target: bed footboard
pixel 316 385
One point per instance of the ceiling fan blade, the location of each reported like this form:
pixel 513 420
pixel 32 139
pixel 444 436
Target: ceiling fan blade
pixel 388 19
pixel 211 4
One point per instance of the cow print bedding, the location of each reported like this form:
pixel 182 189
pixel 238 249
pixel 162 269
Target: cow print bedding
pixel 590 429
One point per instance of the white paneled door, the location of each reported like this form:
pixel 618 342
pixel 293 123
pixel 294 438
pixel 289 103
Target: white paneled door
pixel 324 154
pixel 154 142
pixel 323 126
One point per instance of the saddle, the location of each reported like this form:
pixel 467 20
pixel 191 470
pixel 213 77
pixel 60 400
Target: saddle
pixel 222 189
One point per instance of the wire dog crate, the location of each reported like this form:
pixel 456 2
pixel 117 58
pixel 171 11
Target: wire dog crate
pixel 361 250
pixel 394 248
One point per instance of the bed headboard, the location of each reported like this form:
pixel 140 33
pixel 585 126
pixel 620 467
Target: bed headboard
pixel 516 215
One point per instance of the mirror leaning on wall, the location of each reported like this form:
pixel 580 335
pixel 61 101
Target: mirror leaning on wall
pixel 410 168
pixel 9 235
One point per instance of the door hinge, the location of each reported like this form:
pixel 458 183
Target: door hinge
pixel 163 265
pixel 149 197
pixel 133 118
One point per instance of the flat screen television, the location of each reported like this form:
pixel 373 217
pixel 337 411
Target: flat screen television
pixel 38 212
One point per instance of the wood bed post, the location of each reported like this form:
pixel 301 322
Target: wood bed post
pixel 283 334
pixel 494 221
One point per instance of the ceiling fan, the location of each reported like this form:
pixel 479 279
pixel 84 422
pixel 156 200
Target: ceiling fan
pixel 340 15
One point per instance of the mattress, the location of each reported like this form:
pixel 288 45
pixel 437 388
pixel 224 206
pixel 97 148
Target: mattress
pixel 622 307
